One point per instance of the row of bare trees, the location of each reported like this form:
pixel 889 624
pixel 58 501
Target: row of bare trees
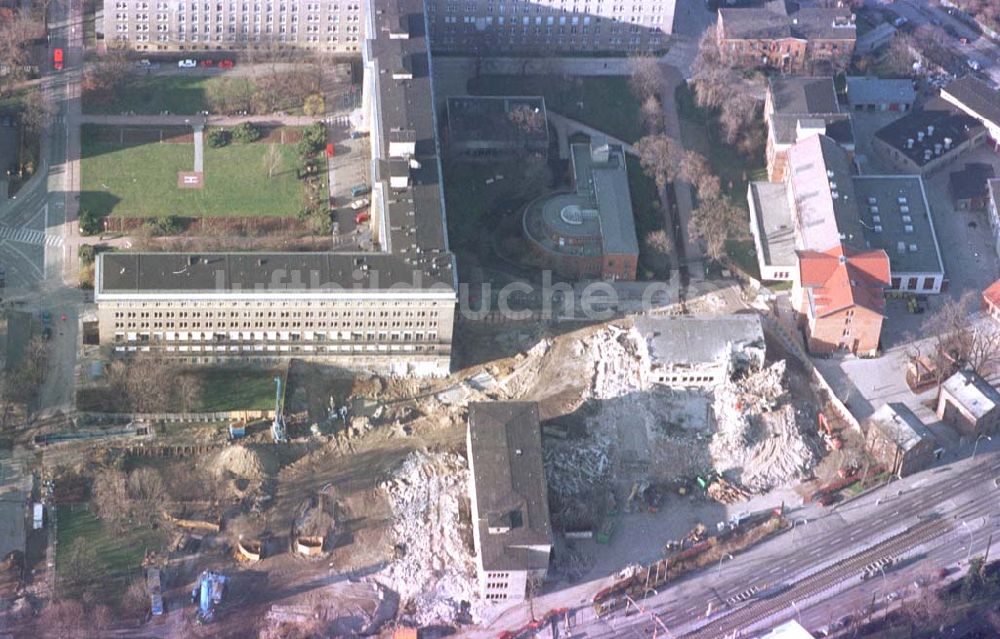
pixel 148 384
pixel 957 339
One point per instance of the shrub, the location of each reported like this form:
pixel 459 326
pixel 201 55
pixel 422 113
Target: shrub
pixel 218 138
pixel 168 225
pixel 246 132
pixel 86 253
pixel 314 105
pixel 313 140
pixel 90 222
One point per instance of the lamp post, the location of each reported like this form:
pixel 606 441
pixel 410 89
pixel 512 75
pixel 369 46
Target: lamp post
pixel 968 555
pixel 976 445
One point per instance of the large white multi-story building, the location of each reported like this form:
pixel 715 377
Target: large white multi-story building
pixel 390 310
pixel 337 26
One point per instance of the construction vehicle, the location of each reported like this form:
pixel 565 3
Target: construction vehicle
pixel 208 594
pixel 278 431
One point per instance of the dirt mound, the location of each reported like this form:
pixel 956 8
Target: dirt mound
pixel 245 462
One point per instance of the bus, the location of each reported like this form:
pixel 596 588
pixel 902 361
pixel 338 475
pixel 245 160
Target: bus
pixel 57 59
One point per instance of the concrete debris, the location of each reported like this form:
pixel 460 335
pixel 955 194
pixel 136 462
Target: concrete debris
pixel 620 362
pixel 759 439
pixel 433 570
pixel 525 370
pixel 483 381
pixel 573 467
pixel 245 462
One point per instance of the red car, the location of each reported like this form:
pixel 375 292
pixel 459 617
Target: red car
pixel 57 59
pixel 226 64
pixel 207 63
pixel 361 217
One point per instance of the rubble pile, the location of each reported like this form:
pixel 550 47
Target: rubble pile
pixel 620 362
pixel 244 462
pixel 759 438
pixel 575 466
pixel 433 570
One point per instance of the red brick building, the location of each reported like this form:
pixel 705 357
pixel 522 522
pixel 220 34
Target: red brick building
pixel 842 301
pixel 782 36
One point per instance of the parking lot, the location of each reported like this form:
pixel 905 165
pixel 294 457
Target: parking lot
pixel 349 167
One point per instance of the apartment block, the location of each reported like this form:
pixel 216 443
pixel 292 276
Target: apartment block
pixel 337 26
pixel 390 310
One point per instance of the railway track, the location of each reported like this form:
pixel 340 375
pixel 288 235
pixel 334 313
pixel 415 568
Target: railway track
pixel 760 609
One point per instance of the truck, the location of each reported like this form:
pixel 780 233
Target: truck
pixel 38 516
pixel 57 59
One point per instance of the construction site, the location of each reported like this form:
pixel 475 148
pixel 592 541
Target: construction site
pixel 345 510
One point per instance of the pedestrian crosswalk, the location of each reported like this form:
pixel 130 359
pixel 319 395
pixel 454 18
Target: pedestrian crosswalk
pixel 29 236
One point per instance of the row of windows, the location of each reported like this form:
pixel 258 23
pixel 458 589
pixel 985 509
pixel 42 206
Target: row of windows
pixel 281 314
pixel 259 324
pixel 123 37
pixel 180 8
pixel 283 336
pixel 215 304
pixel 258 349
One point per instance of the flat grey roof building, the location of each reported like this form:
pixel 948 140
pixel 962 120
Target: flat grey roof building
pixel 896 217
pixel 865 90
pixel 601 174
pixel 897 422
pixel 800 95
pixel 909 134
pixel 699 340
pixel 510 501
pixel 972 392
pixel 975 96
pixel 774 220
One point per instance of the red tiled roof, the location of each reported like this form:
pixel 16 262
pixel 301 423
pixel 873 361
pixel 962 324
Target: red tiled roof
pixel 992 293
pixel 840 278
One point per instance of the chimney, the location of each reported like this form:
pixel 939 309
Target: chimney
pixel 947 143
pixel 937 149
pixel 920 136
pixel 909 143
pixel 930 130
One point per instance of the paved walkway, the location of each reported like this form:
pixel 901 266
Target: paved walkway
pixel 188 120
pixel 199 148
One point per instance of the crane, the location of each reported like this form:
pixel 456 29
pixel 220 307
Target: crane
pixel 278 425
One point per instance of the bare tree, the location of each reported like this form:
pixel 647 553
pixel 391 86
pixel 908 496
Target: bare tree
pixel 110 497
pixel 660 158
pixel 17 30
pixel 958 339
pixel 188 391
pixel 652 114
pixel 713 222
pixel 272 160
pixel 645 76
pixel 64 620
pixel 139 383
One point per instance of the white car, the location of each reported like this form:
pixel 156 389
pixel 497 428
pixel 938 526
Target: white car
pixel 359 204
pixel 973 64
pixel 187 64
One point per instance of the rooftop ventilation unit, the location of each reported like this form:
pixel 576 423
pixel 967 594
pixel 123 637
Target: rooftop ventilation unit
pixel 908 228
pixel 872 200
pixel 904 209
pixel 913 248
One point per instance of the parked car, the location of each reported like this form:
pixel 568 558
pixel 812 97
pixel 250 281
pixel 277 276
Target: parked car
pixel 360 203
pixel 207 63
pixel 362 217
pixel 143 64
pixel 57 59
pixel 226 64
pixel 355 135
pixel 973 64
pixel 187 63
pixel 359 189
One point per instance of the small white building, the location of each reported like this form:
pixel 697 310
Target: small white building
pixel 509 495
pixel 701 352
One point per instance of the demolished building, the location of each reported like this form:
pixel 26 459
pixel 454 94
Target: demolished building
pixel 701 352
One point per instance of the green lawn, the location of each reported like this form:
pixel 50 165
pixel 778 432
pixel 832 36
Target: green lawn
pixel 151 94
pixel 237 390
pixel 116 559
pixel 603 102
pixel 141 181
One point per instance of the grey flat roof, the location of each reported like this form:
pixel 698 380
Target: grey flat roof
pixel 956 127
pixel 774 220
pixel 799 95
pixel 865 90
pixel 505 454
pixel 973 392
pixel 839 127
pixel 264 273
pixel 898 423
pixel 490 120
pixel 887 190
pixel 778 19
pixel 977 96
pixel 607 184
pixel 698 340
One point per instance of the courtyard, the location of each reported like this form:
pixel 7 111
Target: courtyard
pixel 133 172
